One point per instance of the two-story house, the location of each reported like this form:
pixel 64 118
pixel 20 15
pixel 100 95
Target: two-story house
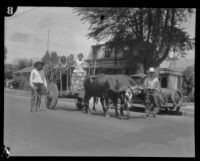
pixel 105 59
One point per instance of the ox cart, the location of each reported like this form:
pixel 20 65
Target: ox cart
pixel 171 98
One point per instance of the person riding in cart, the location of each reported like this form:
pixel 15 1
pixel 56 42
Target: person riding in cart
pixel 78 74
pixel 38 85
pixel 62 67
pixel 152 86
pixel 71 63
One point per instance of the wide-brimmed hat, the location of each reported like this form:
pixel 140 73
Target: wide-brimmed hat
pixel 37 62
pixel 151 70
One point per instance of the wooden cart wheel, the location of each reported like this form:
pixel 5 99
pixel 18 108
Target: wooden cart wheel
pixel 177 102
pixel 78 103
pixel 52 99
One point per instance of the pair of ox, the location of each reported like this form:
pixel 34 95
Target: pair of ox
pixel 111 87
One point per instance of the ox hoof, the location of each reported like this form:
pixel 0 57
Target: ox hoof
pixel 87 112
pixel 107 116
pixel 147 112
pixel 154 115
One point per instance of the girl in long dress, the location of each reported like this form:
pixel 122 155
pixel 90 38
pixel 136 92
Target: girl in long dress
pixel 78 74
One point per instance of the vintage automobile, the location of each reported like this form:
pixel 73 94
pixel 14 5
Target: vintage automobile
pixel 171 98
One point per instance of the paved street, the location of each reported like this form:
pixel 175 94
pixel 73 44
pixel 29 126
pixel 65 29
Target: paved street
pixel 69 132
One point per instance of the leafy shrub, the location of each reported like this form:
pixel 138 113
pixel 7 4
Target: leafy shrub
pixel 19 82
pixel 189 98
pixel 188 80
pixel 8 75
pixel 27 86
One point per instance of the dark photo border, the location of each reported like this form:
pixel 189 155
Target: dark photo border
pixel 107 3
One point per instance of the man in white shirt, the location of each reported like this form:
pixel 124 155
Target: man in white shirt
pixel 38 85
pixel 152 86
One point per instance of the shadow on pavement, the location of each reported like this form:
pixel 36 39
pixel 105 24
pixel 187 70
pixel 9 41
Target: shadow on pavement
pixel 133 109
pixel 180 113
pixel 130 117
pixel 112 114
pixel 98 113
pixel 66 108
pixel 162 112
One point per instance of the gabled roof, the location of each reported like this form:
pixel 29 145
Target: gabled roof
pixel 25 70
pixel 139 75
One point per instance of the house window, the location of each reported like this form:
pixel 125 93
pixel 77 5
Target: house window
pixel 163 82
pixel 107 53
pixel 119 53
pixel 179 83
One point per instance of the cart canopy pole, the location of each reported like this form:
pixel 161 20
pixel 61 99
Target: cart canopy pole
pixel 94 67
pixel 60 80
pixel 67 79
pixel 89 71
pixel 51 74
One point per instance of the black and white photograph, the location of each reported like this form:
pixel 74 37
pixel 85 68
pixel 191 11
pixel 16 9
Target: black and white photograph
pixel 99 81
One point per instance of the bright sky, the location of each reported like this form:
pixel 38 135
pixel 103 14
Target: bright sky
pixel 26 34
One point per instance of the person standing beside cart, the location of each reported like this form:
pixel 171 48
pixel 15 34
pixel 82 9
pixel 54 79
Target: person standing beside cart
pixel 38 85
pixel 152 86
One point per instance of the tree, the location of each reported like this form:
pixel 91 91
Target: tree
pixel 23 62
pixel 46 58
pixel 188 80
pixel 8 70
pixel 5 52
pixel 149 33
pixel 50 58
pixel 54 58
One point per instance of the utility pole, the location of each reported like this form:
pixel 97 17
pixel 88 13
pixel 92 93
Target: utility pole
pixel 48 41
pixel 50 58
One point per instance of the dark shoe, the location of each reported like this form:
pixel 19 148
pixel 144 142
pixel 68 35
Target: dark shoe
pixel 147 112
pixel 37 109
pixel 33 110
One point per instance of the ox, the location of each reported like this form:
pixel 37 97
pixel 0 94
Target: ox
pixel 107 87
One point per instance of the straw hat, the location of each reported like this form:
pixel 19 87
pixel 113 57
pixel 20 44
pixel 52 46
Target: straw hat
pixel 37 62
pixel 151 70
